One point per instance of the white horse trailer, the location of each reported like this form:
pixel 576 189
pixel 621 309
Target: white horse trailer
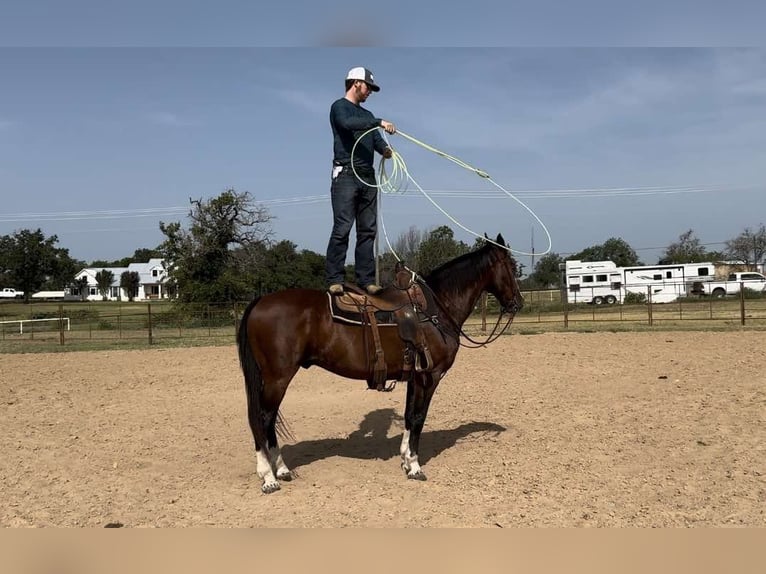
pixel 596 282
pixel 666 282
pixel 600 282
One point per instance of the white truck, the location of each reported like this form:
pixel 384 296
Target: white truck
pixel 9 293
pixel 733 284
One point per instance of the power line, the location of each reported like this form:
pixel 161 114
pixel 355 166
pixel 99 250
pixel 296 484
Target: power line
pixel 556 193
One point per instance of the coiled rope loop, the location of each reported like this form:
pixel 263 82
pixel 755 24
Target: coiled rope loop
pixel 397 182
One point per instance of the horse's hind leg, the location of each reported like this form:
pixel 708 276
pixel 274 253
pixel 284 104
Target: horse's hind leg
pixel 263 409
pixel 271 403
pixel 264 469
pixel 262 463
pixel 275 454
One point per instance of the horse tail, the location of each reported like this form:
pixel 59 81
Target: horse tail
pixel 253 381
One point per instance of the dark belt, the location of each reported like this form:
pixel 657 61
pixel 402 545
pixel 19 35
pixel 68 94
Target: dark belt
pixel 361 171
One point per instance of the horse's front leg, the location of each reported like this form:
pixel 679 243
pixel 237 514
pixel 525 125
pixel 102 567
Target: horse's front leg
pixel 420 389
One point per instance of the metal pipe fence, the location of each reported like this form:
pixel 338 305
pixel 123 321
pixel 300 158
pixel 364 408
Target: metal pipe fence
pixel 83 325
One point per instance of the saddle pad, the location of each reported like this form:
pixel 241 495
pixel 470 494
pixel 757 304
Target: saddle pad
pixel 348 312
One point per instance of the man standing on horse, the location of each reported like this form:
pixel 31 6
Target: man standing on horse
pixel 353 191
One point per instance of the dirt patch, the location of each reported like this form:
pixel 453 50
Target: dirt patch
pixel 611 429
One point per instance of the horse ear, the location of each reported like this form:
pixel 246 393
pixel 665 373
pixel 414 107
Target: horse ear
pixel 485 235
pixel 500 240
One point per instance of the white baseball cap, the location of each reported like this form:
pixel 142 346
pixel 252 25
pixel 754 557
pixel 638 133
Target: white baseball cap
pixel 365 75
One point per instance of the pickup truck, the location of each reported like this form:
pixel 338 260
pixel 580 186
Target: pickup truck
pixel 734 282
pixel 9 293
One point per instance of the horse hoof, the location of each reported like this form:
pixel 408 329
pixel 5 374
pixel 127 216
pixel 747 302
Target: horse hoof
pixel 419 475
pixel 287 477
pixel 270 487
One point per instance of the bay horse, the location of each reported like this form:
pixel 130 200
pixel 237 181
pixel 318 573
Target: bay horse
pixel 283 331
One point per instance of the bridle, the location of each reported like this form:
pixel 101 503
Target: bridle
pixel 457 330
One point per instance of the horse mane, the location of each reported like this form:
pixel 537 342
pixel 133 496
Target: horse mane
pixel 450 276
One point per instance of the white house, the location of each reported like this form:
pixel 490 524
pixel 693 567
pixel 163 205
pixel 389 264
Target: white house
pixel 153 277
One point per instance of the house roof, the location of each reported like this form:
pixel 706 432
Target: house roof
pixel 144 271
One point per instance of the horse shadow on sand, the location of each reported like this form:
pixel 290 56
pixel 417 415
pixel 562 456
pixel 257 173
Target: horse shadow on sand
pixel 371 441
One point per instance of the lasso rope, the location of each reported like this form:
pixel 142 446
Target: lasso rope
pixel 396 182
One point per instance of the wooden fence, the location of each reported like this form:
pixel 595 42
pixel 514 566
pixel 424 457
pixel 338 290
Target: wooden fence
pixel 101 324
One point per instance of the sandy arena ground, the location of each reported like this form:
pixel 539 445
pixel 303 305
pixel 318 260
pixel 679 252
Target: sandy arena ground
pixel 610 429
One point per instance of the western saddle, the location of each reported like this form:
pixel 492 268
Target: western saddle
pixel 403 305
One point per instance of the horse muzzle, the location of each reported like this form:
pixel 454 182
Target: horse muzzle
pixel 515 307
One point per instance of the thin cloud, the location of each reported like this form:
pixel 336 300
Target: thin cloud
pixel 306 101
pixel 170 119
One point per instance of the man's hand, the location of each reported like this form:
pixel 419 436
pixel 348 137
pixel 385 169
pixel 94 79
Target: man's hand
pixel 388 127
pixel 388 153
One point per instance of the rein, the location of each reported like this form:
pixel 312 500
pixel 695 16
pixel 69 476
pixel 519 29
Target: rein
pixel 458 330
pixel 474 344
pixel 492 337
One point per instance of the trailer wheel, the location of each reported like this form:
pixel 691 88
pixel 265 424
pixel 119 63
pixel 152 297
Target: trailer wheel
pixel 598 300
pixel 719 293
pixel 611 299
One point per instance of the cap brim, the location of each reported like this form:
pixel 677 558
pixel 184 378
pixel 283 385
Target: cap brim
pixel 373 87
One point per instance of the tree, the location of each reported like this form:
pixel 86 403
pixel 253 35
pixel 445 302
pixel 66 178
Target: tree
pixel 201 261
pixel 547 273
pixel 749 246
pixel 30 261
pixel 405 248
pixel 438 248
pixel 130 281
pixel 687 249
pixel 284 267
pixel 408 244
pixel 614 249
pixel 81 286
pixel 141 255
pixel 104 279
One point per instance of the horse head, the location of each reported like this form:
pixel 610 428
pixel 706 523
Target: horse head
pixel 503 283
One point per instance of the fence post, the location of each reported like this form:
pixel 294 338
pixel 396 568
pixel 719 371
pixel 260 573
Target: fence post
pixel 649 303
pixel 565 303
pixel 484 312
pixel 237 324
pixel 742 302
pixel 61 325
pixel 149 306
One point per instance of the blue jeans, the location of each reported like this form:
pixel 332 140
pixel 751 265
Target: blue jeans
pixel 352 202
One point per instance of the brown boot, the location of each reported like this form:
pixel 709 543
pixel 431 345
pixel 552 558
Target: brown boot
pixel 335 289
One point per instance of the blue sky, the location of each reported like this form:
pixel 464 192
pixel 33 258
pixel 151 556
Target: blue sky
pixel 98 143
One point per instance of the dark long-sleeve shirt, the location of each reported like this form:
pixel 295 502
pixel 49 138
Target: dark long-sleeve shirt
pixel 348 122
